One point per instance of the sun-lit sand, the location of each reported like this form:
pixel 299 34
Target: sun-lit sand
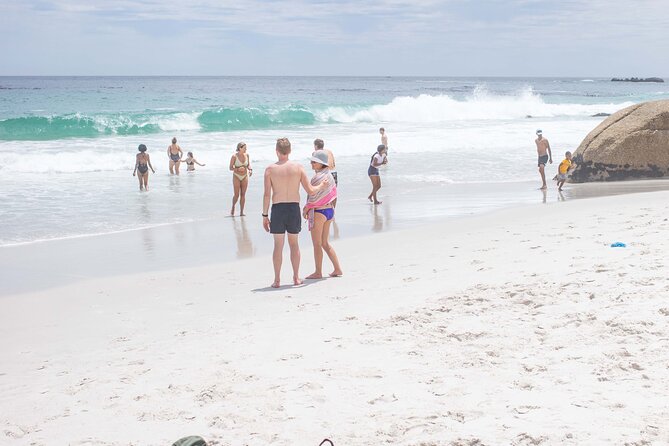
pixel 522 326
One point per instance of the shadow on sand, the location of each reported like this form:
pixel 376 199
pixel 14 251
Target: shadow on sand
pixel 306 283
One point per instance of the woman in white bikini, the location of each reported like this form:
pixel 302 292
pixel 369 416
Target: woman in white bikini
pixel 240 165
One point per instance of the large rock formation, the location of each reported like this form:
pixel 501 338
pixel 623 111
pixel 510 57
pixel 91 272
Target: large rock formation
pixel 631 143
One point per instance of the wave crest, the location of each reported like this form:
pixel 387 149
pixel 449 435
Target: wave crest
pixel 425 108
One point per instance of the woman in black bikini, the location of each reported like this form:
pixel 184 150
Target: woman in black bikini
pixel 175 154
pixel 142 164
pixel 191 162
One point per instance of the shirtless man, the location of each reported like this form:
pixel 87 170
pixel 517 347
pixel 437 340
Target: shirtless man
pixel 384 137
pixel 542 147
pixel 282 187
pixel 175 154
pixel 319 145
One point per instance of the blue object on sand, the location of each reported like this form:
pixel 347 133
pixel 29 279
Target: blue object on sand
pixel 618 245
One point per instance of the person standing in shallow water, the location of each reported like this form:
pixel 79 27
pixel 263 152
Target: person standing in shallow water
pixel 175 154
pixel 191 162
pixel 378 159
pixel 384 137
pixel 142 165
pixel 240 165
pixel 544 154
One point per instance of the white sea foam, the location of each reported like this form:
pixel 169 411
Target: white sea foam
pixel 481 105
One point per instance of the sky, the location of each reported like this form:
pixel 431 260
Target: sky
pixel 598 38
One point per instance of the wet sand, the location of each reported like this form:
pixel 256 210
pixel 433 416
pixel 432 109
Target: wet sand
pixel 46 264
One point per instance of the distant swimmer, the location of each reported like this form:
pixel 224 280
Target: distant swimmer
pixel 240 165
pixel 142 165
pixel 384 137
pixel 378 159
pixel 544 154
pixel 320 212
pixel 282 188
pixel 332 166
pixel 191 162
pixel 175 154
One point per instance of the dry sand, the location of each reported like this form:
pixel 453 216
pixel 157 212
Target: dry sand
pixel 518 327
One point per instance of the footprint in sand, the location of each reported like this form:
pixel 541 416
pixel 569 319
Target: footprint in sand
pixel 383 399
pixel 528 440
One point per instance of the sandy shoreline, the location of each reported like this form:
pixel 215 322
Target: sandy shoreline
pixel 43 265
pixel 522 326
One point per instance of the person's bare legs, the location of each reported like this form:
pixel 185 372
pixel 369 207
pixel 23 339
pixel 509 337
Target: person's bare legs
pixel 543 176
pixel 377 185
pixel 145 179
pixel 171 167
pixel 371 178
pixel 295 258
pixel 176 167
pixel 560 184
pixel 242 195
pixel 236 187
pixel 317 240
pixel 329 250
pixel 277 258
pixel 141 181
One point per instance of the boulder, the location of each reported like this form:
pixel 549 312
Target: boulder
pixel 632 143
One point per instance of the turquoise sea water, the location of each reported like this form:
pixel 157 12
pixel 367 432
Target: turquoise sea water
pixel 69 143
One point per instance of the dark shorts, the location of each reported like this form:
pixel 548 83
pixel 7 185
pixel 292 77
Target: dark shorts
pixel 372 171
pixel 334 175
pixel 543 160
pixel 285 217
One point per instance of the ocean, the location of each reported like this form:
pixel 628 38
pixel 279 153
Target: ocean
pixel 457 145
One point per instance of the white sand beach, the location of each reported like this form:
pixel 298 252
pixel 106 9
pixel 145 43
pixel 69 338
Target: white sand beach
pixel 522 326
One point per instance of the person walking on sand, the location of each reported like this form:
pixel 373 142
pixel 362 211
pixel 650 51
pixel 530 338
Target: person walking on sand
pixel 542 148
pixel 142 164
pixel 191 162
pixel 332 166
pixel 563 168
pixel 240 165
pixel 175 154
pixel 378 159
pixel 384 137
pixel 282 182
pixel 319 211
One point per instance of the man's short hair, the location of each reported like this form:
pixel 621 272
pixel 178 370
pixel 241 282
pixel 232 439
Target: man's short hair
pixel 382 129
pixel 318 143
pixel 283 146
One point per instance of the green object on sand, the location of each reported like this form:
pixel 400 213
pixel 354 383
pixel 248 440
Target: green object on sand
pixel 190 441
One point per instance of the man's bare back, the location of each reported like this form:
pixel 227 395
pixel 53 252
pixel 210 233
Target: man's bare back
pixel 285 178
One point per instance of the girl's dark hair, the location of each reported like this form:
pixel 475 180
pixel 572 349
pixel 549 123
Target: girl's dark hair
pixel 190 154
pixel 378 150
pixel 141 148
